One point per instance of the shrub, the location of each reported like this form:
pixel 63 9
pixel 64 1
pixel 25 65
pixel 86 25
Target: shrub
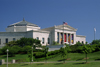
pixel 1 52
pixel 79 49
pixel 4 49
pixel 27 48
pixel 55 43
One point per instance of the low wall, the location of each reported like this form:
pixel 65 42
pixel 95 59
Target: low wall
pixel 54 47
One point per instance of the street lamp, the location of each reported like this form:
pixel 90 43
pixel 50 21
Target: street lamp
pixel 32 54
pixel 7 57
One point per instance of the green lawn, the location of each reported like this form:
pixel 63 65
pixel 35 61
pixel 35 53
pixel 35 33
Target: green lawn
pixel 72 56
pixel 17 57
pixel 78 57
pixel 93 58
pixel 71 64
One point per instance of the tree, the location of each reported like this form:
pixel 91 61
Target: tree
pixel 46 53
pixel 11 43
pixel 30 55
pixel 96 41
pixel 87 49
pixel 63 53
pixel 27 48
pixel 25 42
pixel 13 50
pixel 67 49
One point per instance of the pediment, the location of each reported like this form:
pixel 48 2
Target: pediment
pixel 65 27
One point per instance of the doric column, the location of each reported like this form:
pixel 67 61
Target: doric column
pixel 73 38
pixel 70 38
pixel 59 38
pixel 66 37
pixel 63 38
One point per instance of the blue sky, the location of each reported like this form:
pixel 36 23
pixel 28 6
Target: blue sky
pixel 83 15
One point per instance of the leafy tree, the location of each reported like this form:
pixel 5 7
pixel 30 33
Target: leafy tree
pixel 67 49
pixel 13 50
pixel 4 49
pixel 63 53
pixel 27 48
pixel 87 49
pixel 46 53
pixel 11 43
pixel 78 43
pixel 96 41
pixel 75 47
pixel 1 52
pixel 96 47
pixel 30 55
pixel 25 42
pixel 79 49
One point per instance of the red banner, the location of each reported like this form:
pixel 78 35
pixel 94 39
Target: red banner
pixel 64 37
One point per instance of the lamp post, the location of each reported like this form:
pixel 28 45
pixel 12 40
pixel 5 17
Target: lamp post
pixel 7 57
pixel 32 54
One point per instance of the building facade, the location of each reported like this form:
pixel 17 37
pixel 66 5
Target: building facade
pixel 60 33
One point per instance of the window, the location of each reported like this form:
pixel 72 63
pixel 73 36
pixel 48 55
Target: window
pixel 37 38
pixel 82 42
pixel 78 41
pixel 42 40
pixel 0 41
pixel 14 39
pixel 48 40
pixel 6 40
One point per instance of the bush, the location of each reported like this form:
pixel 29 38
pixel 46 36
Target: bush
pixel 55 43
pixel 27 48
pixel 1 52
pixel 16 49
pixel 42 54
pixel 4 49
pixel 39 54
pixel 79 49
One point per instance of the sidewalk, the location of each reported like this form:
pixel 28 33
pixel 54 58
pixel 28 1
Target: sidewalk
pixel 49 62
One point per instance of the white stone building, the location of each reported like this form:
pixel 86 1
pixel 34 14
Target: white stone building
pixel 61 33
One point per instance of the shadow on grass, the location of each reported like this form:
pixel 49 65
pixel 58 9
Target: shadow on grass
pixel 24 64
pixel 58 63
pixel 8 56
pixel 97 59
pixel 62 60
pixel 40 64
pixel 79 59
pixel 79 63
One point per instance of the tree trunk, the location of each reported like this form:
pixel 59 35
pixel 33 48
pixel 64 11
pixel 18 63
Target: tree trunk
pixel 67 55
pixel 86 57
pixel 64 59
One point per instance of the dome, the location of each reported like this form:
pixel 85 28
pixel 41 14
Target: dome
pixel 23 23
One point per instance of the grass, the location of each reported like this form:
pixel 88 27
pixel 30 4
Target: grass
pixel 69 64
pixel 17 57
pixel 73 57
pixel 78 57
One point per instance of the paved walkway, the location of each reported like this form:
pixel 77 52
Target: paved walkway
pixel 49 62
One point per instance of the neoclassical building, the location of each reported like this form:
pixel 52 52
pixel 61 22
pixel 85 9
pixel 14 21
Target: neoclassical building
pixel 60 33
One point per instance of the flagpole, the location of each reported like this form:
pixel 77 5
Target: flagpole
pixel 94 34
pixel 63 33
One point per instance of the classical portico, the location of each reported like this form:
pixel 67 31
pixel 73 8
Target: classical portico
pixel 67 34
pixel 67 38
